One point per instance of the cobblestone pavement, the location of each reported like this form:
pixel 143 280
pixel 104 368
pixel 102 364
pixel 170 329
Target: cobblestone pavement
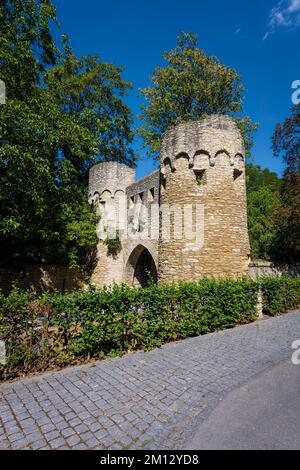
pixel 145 400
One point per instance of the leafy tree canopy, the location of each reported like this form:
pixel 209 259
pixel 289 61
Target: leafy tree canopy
pixel 191 86
pixel 27 47
pixel 62 114
pixel 258 177
pixel 263 212
pixel 286 144
pixel 264 204
pixel 93 91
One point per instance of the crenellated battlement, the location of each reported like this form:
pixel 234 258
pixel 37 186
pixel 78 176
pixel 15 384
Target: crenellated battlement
pixel 211 136
pixel 108 180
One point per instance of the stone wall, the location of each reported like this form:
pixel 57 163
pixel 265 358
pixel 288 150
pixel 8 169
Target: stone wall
pixel 201 176
pixel 203 165
pixel 107 189
pixel 260 269
pixel 141 196
pixel 124 206
pixel 143 228
pixel 39 279
pixel 108 180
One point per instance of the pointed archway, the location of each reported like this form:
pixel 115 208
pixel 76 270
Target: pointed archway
pixel 140 268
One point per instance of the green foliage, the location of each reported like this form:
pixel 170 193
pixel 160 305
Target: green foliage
pixel 27 47
pixel 280 295
pixel 61 329
pixel 25 340
pixel 61 112
pixel 258 178
pixel 113 243
pixel 286 144
pixel 78 241
pixel 274 203
pixel 191 86
pixel 41 194
pixel 93 91
pixel 286 141
pixel 263 212
pixel 264 205
pixel 288 237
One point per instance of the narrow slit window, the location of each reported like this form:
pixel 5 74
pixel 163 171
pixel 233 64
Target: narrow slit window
pixel 236 174
pixel 200 176
pixel 151 195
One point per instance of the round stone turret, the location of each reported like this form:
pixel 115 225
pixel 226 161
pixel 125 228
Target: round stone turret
pixel 108 179
pixel 203 189
pixel 107 190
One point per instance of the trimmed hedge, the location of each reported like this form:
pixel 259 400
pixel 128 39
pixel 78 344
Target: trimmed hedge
pixel 56 330
pixel 280 294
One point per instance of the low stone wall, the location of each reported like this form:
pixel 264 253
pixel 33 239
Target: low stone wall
pixel 39 279
pixel 259 269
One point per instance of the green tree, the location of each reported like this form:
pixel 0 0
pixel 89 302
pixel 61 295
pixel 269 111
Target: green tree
pixel 263 212
pixel 264 205
pixel 258 177
pixel 286 144
pixel 27 47
pixel 93 91
pixel 48 139
pixel 40 188
pixel 191 86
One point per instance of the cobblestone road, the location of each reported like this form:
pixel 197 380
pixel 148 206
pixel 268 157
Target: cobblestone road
pixel 142 400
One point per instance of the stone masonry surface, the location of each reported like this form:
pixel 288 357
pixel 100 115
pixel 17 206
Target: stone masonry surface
pixel 189 217
pixel 145 400
pixel 212 152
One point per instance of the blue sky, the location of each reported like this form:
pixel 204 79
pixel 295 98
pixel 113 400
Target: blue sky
pixel 260 39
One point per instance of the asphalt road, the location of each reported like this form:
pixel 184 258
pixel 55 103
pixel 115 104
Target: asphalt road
pixel 264 414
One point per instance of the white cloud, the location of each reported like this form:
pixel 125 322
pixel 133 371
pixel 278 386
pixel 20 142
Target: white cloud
pixel 286 14
pixel 294 6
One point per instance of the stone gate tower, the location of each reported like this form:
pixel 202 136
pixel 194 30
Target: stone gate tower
pixel 107 190
pixel 203 166
pixel 187 219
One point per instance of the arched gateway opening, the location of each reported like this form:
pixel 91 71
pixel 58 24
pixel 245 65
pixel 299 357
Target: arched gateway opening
pixel 140 268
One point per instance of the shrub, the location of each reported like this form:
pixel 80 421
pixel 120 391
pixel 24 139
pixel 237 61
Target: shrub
pixel 23 330
pixel 280 294
pixel 113 243
pixel 60 329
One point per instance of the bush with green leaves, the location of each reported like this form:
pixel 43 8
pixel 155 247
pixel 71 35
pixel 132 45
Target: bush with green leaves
pixel 24 335
pixel 113 243
pixel 57 329
pixel 280 294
